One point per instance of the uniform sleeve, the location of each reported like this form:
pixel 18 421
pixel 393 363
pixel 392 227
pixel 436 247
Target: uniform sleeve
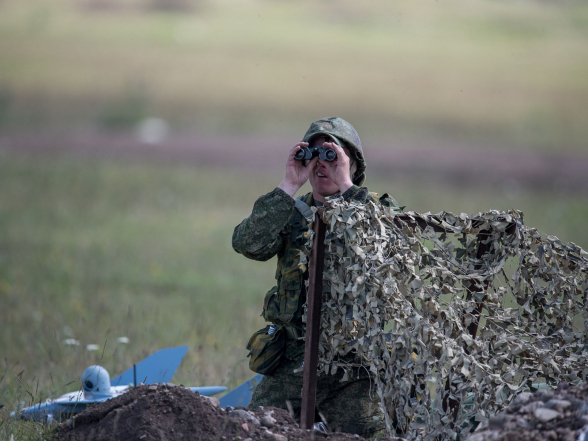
pixel 258 236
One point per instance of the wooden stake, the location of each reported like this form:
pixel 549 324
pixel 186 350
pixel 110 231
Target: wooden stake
pixel 314 303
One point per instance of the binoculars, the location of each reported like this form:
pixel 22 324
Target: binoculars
pixel 307 153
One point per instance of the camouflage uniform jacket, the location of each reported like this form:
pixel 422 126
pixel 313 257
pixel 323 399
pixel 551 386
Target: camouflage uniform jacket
pixel 275 226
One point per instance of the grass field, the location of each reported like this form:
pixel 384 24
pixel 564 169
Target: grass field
pixel 95 250
pixel 100 251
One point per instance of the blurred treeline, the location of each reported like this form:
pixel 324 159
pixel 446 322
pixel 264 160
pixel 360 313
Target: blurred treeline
pixel 511 73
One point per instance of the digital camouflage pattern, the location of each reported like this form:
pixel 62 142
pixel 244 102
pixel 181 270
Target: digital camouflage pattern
pixel 351 406
pixel 258 237
pixel 346 136
pixel 276 227
pixel 401 299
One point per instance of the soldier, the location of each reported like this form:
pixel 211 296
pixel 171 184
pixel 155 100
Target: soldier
pixel 277 225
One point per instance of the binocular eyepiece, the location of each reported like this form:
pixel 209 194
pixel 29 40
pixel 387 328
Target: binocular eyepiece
pixel 307 153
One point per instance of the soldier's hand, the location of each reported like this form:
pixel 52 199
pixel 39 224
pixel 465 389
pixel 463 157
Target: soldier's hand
pixel 340 169
pixel 296 172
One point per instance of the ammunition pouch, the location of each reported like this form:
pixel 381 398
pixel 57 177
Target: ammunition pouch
pixel 293 333
pixel 271 305
pixel 282 305
pixel 266 348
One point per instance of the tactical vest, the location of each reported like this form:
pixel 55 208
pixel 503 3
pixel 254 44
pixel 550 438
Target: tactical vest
pixel 283 304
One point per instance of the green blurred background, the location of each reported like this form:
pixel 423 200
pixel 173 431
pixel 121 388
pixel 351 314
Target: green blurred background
pixel 135 134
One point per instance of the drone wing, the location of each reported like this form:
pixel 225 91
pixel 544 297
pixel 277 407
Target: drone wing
pixel 159 367
pixel 241 395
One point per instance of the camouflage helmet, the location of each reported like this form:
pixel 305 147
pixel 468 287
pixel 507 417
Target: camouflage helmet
pixel 343 134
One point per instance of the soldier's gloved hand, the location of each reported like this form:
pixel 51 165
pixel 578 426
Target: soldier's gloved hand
pixel 339 171
pixel 296 172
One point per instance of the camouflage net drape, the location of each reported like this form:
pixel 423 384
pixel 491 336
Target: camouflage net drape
pixel 403 298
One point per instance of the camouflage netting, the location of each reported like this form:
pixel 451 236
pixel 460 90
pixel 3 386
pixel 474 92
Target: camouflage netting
pixel 403 297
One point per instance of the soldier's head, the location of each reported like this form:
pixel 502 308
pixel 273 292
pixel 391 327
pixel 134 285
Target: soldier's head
pixel 319 174
pixel 335 129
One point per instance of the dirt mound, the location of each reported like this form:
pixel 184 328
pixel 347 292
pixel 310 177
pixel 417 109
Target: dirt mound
pixel 560 415
pixel 168 412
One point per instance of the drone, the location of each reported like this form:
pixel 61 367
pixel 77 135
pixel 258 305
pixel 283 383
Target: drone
pixel 97 386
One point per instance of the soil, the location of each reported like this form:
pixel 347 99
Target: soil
pixel 560 415
pixel 168 412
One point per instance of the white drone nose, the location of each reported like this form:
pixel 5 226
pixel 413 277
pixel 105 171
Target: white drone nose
pixel 96 379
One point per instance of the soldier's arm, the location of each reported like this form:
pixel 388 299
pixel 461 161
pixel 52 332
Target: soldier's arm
pixel 258 236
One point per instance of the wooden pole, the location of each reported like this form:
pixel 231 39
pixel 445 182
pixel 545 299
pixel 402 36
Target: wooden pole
pixel 314 303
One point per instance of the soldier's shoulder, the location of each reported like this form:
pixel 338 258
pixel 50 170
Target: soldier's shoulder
pixel 306 198
pixel 302 209
pixel 385 199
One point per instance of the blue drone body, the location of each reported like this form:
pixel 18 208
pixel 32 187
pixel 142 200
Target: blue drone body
pixel 97 386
